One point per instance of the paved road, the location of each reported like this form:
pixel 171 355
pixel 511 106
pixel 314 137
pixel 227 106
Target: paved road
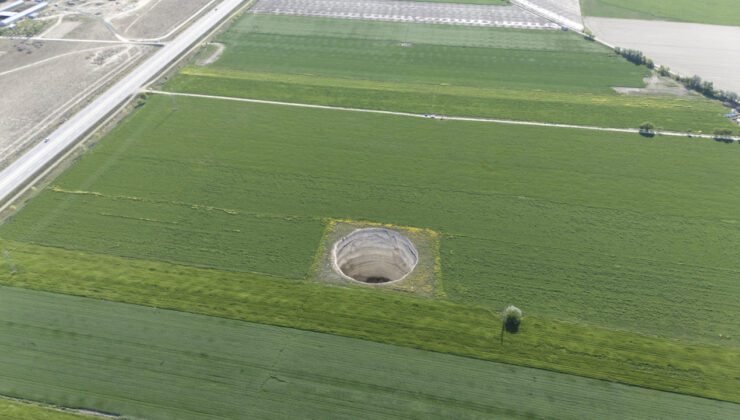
pixel 15 175
pixel 441 117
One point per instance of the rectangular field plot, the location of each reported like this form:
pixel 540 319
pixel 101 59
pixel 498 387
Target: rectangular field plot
pixel 158 364
pixel 716 12
pixel 384 316
pixel 613 230
pixel 548 76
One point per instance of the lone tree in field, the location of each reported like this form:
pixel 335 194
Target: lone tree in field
pixel 512 319
pixel 647 129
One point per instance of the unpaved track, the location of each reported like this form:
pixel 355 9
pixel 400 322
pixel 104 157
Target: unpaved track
pixel 438 117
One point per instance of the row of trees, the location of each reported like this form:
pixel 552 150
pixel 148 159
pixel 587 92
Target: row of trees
pixel 635 56
pixel 694 83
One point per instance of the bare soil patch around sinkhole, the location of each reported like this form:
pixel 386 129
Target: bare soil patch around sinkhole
pixel 364 254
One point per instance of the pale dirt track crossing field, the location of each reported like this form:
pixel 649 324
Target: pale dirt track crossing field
pixel 710 51
pixel 431 116
pixel 408 11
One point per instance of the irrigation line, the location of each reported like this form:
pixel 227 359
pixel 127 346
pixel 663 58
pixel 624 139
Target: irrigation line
pixel 441 117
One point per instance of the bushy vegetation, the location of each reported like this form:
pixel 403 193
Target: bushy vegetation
pixel 512 317
pixel 635 57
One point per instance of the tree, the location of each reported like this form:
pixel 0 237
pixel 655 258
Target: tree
pixel 512 318
pixel 647 128
pixel 722 133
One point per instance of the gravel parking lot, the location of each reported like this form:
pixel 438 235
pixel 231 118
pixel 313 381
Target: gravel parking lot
pixel 408 11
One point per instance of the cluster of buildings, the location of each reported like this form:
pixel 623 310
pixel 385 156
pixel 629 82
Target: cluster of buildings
pixel 14 11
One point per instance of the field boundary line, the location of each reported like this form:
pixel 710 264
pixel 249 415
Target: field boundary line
pixel 437 117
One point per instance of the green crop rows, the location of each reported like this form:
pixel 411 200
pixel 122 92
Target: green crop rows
pixel 384 316
pixel 447 70
pixel 553 218
pixel 717 12
pixel 621 249
pixel 153 363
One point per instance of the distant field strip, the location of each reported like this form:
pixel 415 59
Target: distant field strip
pixel 569 222
pixel 364 65
pixel 408 11
pixel 435 116
pixel 717 12
pixel 372 315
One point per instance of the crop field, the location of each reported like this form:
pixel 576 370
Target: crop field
pixel 547 76
pixel 152 363
pixel 383 316
pixel 144 361
pixel 527 214
pixel 717 12
pixel 175 269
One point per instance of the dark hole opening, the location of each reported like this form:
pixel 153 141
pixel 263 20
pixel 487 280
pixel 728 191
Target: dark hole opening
pixel 377 280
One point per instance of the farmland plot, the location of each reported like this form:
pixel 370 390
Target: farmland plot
pixel 159 364
pixel 446 70
pixel 717 12
pixel 527 214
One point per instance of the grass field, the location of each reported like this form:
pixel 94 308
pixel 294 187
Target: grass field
pixel 16 410
pixel 717 12
pixel 447 70
pixel 549 218
pixel 621 249
pixel 154 363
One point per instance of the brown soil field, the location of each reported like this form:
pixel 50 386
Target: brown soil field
pixel 710 51
pixel 42 80
pixel 157 18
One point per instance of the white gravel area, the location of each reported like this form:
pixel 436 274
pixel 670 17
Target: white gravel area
pixel 408 11
pixel 710 51
pixel 565 12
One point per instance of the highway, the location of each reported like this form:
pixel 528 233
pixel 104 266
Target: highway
pixel 14 176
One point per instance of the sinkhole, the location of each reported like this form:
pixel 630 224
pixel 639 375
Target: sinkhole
pixel 375 255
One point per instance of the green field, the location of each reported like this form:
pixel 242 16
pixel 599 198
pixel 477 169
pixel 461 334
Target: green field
pixel 548 218
pixel 16 410
pixel 170 272
pixel 158 364
pixel 383 316
pixel 447 70
pixel 717 12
